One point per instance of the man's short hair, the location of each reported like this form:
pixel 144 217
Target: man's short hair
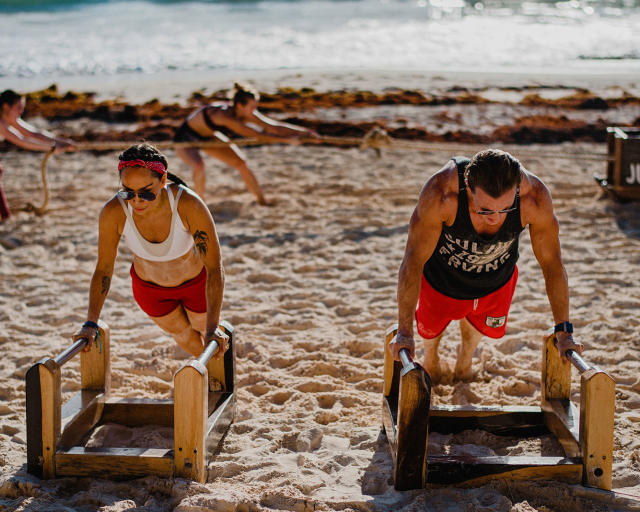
pixel 494 171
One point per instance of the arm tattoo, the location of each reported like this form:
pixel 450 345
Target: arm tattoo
pixel 106 282
pixel 201 238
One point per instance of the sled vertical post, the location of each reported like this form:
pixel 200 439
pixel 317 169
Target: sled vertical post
pixel 597 409
pixel 556 375
pixel 95 364
pixel 191 388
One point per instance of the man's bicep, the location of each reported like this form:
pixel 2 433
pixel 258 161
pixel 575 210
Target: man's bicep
pixel 544 231
pixel 425 227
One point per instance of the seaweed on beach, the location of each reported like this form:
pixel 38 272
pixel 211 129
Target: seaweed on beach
pixel 155 120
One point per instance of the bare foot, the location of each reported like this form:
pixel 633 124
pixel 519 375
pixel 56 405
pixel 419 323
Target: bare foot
pixel 436 369
pixel 463 373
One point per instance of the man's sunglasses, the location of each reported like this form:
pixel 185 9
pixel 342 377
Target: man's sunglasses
pixel 145 195
pixel 493 212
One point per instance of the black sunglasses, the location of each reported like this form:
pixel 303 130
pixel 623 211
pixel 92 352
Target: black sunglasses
pixel 145 195
pixel 492 212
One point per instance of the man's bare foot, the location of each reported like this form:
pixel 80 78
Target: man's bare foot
pixel 463 373
pixel 437 369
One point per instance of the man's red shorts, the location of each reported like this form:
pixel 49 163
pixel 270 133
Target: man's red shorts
pixel 156 300
pixel 487 314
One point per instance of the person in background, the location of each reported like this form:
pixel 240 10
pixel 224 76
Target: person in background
pixel 18 132
pixel 205 124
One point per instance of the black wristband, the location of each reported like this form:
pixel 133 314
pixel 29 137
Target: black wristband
pixel 89 323
pixel 563 327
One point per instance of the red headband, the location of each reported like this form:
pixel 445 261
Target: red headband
pixel 154 166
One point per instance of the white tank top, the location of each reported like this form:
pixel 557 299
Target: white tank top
pixel 178 243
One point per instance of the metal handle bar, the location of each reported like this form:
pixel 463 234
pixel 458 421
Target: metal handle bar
pixel 71 351
pixel 212 349
pixel 405 357
pixel 577 361
pixel 572 355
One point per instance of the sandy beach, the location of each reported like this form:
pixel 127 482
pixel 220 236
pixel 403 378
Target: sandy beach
pixel 310 288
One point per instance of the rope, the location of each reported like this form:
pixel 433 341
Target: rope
pixel 30 207
pixel 376 139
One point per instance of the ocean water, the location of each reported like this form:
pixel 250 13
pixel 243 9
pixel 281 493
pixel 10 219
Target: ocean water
pixel 51 39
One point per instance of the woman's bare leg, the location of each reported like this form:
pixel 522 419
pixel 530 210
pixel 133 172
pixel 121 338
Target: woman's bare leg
pixel 233 157
pixel 191 156
pixel 178 325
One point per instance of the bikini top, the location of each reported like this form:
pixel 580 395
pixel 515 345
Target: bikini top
pixel 207 120
pixel 178 243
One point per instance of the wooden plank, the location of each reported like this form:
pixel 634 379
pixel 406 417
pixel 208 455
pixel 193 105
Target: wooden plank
pixel 51 402
pixel 389 363
pixel 229 359
pixel 412 428
pixel 389 419
pixel 222 371
pixel 33 406
pixel 556 375
pixel 218 424
pixel 191 388
pixel 95 365
pixel 79 415
pixel 563 420
pixel 444 410
pixel 504 421
pixel 597 409
pixel 137 412
pixel 114 463
pixel 215 400
pixel 476 471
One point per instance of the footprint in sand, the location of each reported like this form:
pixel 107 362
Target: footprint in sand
pixel 264 277
pixel 258 389
pixel 326 417
pixel 516 387
pixel 326 401
pixel 226 210
pixel 280 397
pixel 315 386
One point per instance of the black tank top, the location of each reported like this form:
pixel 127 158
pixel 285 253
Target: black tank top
pixel 467 265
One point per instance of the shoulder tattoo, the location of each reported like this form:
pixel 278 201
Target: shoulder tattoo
pixel 201 239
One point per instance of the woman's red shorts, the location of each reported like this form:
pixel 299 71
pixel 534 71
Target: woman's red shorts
pixel 487 314
pixel 156 300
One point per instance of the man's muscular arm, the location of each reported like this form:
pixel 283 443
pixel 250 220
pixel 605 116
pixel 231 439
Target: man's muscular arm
pixel 544 231
pixel 434 207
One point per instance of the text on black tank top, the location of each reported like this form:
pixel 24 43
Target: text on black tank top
pixel 467 265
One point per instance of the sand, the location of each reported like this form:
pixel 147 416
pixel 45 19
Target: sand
pixel 310 288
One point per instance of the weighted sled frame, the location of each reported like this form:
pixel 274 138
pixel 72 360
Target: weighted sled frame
pixel 586 436
pixel 56 433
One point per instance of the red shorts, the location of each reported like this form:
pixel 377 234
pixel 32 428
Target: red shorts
pixel 156 300
pixel 487 314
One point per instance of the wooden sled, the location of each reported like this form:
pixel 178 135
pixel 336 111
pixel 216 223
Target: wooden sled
pixel 56 433
pixel 586 436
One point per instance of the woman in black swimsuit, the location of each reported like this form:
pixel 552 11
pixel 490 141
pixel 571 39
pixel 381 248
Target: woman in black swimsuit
pixel 205 123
